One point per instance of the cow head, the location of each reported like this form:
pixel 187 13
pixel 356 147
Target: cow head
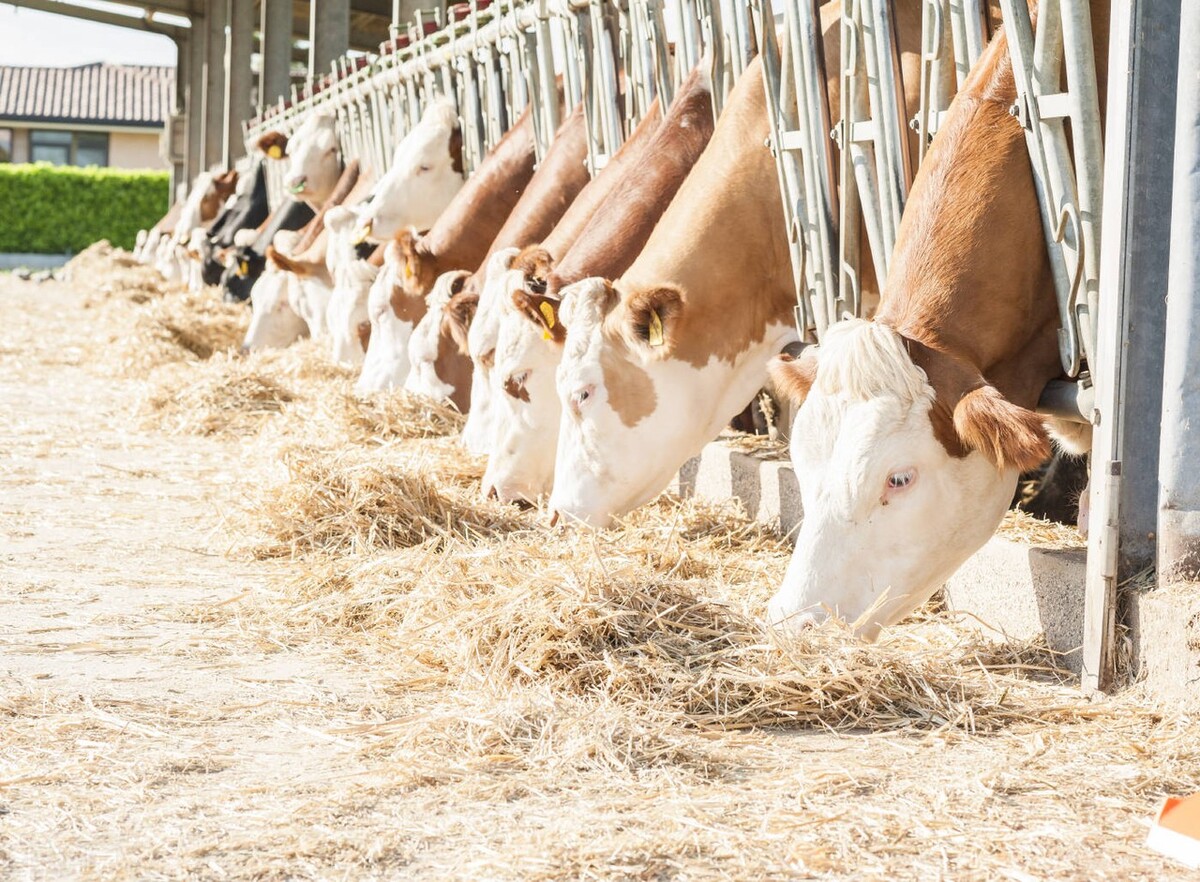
pixel 273 322
pixel 425 174
pixel 352 277
pixel 242 267
pixel 527 409
pixel 478 431
pixel 385 365
pixel 314 164
pixel 645 382
pixel 438 366
pixel 906 459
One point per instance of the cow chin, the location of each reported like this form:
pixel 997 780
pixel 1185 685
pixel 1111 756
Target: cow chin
pixel 871 563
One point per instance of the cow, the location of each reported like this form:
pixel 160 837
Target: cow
pixel 438 369
pixel 478 432
pixel 246 261
pixel 247 210
pixel 353 266
pixel 304 277
pixel 458 240
pixel 560 177
pixel 203 202
pixel 530 343
pixel 426 173
pixel 913 428
pixel 314 158
pixel 273 322
pixel 677 346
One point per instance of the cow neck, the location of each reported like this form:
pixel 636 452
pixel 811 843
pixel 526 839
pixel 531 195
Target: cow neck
pixel 559 178
pixel 970 279
pixel 618 232
pixel 463 232
pixel 721 243
pixel 577 217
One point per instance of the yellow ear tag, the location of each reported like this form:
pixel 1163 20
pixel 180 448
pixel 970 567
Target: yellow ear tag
pixel 547 312
pixel 275 151
pixel 408 268
pixel 655 329
pixel 360 235
pixel 243 269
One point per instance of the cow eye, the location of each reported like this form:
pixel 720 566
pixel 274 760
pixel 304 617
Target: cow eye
pixel 425 168
pixel 902 479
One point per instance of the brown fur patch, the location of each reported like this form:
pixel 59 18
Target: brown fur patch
pixel 534 306
pixel 515 389
pixel 456 150
pixel 364 334
pixel 664 302
pixel 1008 435
pixel 281 261
pixel 455 370
pixel 459 312
pixel 630 389
pixel 535 263
pixel 273 139
pixel 792 377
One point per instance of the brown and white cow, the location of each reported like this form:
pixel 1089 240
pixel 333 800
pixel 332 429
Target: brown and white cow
pixel 479 432
pixel 915 426
pixel 675 348
pixel 530 343
pixel 559 179
pixel 313 156
pixel 459 240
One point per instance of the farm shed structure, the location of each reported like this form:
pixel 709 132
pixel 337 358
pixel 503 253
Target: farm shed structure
pixel 1120 216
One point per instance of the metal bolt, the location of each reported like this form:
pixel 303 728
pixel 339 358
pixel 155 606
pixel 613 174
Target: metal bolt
pixel 915 124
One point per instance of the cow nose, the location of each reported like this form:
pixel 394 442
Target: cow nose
pixel 243 350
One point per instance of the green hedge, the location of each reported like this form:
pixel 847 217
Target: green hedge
pixel 51 209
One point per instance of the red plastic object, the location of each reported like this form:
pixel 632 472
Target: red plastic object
pixel 1176 831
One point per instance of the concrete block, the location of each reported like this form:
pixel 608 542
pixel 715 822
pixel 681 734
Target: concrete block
pixel 1164 627
pixel 767 488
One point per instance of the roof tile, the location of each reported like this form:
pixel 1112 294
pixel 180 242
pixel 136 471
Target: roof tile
pixel 98 93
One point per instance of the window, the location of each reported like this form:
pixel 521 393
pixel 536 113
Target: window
pixel 52 147
pixel 6 145
pixel 68 148
pixel 91 148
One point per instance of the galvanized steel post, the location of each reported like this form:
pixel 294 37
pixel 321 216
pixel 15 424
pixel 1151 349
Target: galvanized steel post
pixel 1179 453
pixel 214 82
pixel 328 34
pixel 275 25
pixel 239 104
pixel 1128 368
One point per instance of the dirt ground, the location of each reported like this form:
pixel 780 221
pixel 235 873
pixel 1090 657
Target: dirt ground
pixel 149 729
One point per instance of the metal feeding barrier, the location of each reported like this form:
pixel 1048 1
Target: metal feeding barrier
pixel 495 59
pixel 831 200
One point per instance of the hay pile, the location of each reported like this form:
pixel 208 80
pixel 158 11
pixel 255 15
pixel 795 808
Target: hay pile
pixel 109 274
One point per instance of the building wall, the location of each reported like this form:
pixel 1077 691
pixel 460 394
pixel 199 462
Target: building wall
pixel 126 149
pixel 135 150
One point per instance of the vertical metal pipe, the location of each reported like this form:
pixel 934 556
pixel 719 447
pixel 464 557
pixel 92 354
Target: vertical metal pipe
pixel 239 105
pixel 214 83
pixel 1179 478
pixel 194 100
pixel 328 34
pixel 276 27
pixel 1131 324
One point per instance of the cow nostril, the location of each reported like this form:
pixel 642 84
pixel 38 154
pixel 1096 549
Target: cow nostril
pixel 491 492
pixel 554 518
pixel 243 350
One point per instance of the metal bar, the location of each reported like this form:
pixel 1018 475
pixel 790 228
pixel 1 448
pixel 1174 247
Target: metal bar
pixel 1131 322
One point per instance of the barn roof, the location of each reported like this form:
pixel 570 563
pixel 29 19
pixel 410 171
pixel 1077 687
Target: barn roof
pixel 96 94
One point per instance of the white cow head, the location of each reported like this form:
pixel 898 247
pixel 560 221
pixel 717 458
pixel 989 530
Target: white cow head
pixel 273 322
pixel 478 432
pixel 906 460
pixel 314 165
pixel 352 278
pixel 386 363
pixel 645 382
pixel 431 356
pixel 425 175
pixel 526 406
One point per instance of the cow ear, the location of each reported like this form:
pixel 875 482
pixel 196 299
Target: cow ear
pixel 1009 436
pixel 273 145
pixel 543 312
pixel 793 377
pixel 458 314
pixel 410 254
pixel 653 315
